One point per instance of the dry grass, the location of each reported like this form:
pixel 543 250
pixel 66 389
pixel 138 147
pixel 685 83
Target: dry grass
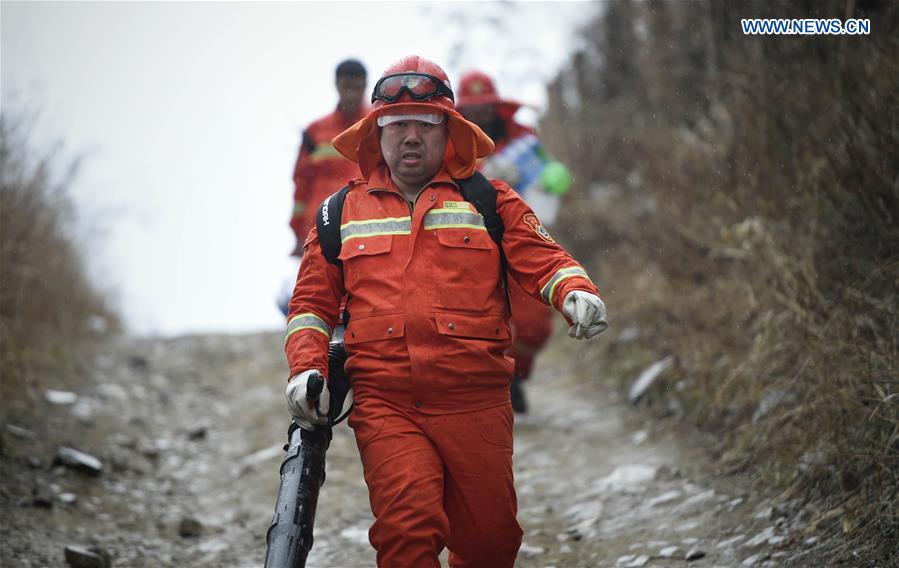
pixel 48 307
pixel 741 206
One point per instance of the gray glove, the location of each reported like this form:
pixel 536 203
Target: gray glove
pixel 307 414
pixel 587 312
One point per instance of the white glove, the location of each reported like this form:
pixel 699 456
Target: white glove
pixel 587 312
pixel 307 414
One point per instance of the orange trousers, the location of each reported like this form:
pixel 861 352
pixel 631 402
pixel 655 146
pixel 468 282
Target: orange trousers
pixel 439 481
pixel 532 324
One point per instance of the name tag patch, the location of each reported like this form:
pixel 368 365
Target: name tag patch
pixel 457 205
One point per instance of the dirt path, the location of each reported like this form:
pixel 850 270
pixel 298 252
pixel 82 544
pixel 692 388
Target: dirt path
pixel 189 432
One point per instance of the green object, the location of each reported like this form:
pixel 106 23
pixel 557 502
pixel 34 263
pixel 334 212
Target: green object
pixel 555 178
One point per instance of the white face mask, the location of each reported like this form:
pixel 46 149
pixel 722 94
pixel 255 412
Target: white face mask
pixel 386 119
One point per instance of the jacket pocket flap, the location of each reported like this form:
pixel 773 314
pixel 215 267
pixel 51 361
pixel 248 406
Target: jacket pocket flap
pixel 367 246
pixel 481 327
pixel 373 328
pixel 465 238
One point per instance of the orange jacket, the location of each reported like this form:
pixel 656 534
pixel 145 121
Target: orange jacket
pixel 320 170
pixel 428 320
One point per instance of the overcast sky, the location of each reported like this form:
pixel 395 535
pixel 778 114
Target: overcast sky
pixel 188 117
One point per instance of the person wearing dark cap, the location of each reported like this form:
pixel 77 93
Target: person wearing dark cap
pixel 319 168
pixel 520 160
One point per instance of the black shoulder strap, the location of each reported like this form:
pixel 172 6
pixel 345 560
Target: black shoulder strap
pixel 327 221
pixel 478 190
pixel 308 143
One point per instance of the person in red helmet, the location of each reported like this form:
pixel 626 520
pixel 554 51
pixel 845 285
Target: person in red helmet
pixel 429 324
pixel 319 168
pixel 518 159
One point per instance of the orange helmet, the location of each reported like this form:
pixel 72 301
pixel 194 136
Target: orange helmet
pixel 476 88
pixel 413 79
pixel 414 85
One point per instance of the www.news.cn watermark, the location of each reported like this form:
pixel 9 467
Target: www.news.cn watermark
pixel 808 26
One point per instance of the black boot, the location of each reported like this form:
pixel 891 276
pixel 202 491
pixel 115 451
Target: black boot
pixel 516 392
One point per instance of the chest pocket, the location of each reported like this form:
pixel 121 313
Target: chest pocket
pixel 363 247
pixel 465 238
pixel 458 227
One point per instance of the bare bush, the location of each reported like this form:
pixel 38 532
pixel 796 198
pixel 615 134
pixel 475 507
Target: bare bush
pixel 48 307
pixel 740 199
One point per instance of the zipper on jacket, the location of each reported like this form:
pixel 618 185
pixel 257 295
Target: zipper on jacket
pixel 417 195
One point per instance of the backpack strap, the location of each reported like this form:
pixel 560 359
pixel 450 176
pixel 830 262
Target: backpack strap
pixel 478 190
pixel 327 221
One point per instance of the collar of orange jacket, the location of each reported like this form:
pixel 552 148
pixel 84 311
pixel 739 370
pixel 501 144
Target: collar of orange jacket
pixel 380 179
pixel 361 143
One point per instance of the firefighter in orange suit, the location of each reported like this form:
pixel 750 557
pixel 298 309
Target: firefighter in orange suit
pixel 429 326
pixel 319 168
pixel 532 319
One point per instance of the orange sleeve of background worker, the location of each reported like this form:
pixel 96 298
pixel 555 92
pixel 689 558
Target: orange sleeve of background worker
pixel 301 187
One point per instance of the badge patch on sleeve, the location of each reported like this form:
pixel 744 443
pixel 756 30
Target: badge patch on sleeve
pixel 531 220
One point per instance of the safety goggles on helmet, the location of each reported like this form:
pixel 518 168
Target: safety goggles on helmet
pixel 420 87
